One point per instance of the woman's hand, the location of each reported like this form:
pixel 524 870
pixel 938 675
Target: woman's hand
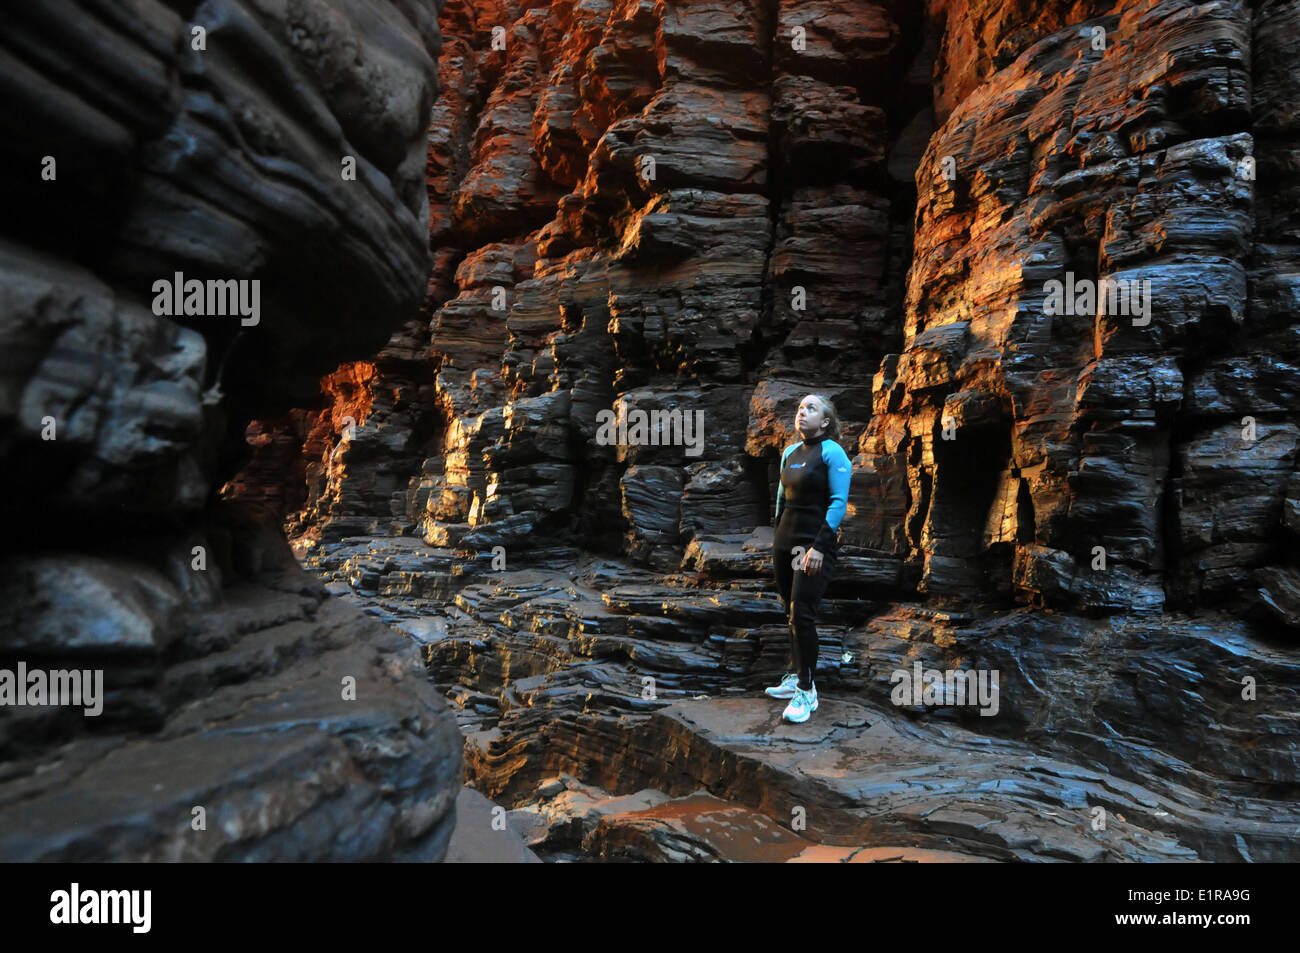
pixel 812 562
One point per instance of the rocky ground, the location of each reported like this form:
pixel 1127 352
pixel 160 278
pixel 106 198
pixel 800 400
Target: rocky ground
pixel 619 714
pixel 286 726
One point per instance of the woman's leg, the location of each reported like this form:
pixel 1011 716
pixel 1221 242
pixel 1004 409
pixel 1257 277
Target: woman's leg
pixel 807 592
pixel 782 561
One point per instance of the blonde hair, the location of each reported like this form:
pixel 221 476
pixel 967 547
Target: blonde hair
pixel 832 431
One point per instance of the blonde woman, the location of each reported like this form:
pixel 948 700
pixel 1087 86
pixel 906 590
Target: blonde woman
pixel 810 502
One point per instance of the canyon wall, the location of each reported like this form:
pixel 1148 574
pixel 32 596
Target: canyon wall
pixel 716 208
pixel 1101 459
pixel 279 150
pixel 634 208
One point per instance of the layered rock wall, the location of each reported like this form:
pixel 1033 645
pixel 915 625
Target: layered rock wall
pixel 714 209
pixel 275 154
pixel 688 209
pixel 1094 457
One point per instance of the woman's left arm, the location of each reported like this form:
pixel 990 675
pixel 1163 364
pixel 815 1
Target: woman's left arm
pixel 840 470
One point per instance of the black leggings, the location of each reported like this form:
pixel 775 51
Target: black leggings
pixel 801 594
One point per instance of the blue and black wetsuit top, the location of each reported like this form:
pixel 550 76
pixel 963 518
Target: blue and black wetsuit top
pixel 812 495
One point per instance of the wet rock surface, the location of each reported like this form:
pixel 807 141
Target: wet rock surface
pixel 643 694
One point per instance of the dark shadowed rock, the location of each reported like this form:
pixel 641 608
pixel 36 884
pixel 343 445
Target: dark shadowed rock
pixel 276 154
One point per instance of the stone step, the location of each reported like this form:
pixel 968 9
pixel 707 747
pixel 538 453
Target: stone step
pixel 864 775
pixel 589 669
pixel 482 835
pixel 701 827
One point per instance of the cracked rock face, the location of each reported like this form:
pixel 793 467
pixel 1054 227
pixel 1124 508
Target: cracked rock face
pixel 245 715
pixel 686 216
pixel 1060 345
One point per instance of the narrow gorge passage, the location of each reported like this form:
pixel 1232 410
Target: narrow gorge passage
pixel 460 546
pixel 711 210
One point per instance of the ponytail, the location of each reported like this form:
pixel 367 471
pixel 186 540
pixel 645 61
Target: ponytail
pixel 832 431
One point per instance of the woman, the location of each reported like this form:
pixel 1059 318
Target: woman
pixel 810 502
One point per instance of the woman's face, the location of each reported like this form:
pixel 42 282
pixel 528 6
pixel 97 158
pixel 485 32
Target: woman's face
pixel 810 419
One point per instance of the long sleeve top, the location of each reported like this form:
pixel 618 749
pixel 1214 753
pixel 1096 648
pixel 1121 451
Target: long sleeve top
pixel 813 494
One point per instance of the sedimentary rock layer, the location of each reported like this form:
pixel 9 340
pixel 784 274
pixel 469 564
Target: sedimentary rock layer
pixel 270 151
pixel 671 210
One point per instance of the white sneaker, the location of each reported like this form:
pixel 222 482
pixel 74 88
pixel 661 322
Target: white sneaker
pixel 801 706
pixel 789 685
